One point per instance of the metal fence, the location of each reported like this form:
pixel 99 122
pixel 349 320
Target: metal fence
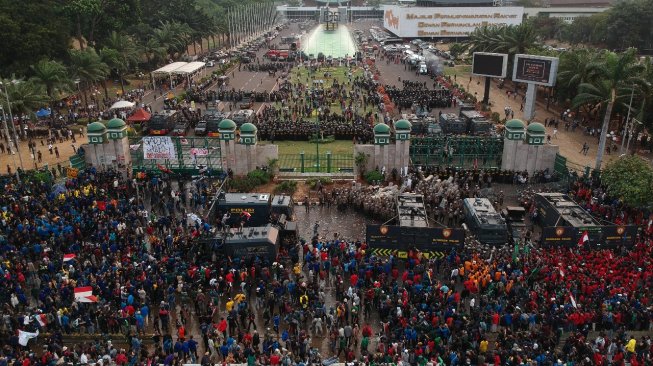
pixel 457 151
pixel 193 155
pixel 314 163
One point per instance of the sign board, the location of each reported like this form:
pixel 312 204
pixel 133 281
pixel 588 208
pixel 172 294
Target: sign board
pixel 393 238
pixel 559 236
pixel 427 22
pixel 490 64
pixel 72 172
pixel 158 147
pixel 614 236
pixel 539 70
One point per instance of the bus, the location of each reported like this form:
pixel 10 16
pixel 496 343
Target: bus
pixel 162 123
pixel 388 41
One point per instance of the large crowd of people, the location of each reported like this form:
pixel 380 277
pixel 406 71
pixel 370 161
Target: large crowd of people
pixel 161 299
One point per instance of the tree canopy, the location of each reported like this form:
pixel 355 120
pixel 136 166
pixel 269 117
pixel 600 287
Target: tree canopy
pixel 629 178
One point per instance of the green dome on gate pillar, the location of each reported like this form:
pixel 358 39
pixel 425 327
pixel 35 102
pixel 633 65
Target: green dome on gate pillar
pixel 381 128
pixel 227 124
pixel 515 129
pixel 116 129
pixel 535 134
pixel 95 127
pixel 402 129
pixel 116 123
pixel 97 133
pixel 227 129
pixel 381 134
pixel 248 134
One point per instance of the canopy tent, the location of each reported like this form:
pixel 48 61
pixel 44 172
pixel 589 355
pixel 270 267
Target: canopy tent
pixel 141 115
pixel 190 68
pixel 43 113
pixel 122 104
pixel 169 68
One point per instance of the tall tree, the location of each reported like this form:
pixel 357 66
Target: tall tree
pixel 575 69
pixel 52 75
pixel 125 57
pixel 612 81
pixel 31 31
pixel 25 97
pixel 87 66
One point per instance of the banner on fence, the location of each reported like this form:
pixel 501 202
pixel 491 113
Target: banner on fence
pixel 158 147
pixel 199 151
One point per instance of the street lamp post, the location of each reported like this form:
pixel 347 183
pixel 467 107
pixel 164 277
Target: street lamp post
pixel 13 127
pixel 11 150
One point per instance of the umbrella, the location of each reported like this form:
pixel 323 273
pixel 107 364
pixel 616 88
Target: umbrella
pixel 58 189
pixel 122 104
pixel 444 288
pixel 43 113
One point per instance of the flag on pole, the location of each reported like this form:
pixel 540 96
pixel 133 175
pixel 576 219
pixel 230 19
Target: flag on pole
pixel 583 239
pixel 562 273
pixel 573 301
pixel 84 294
pixel 42 319
pixel 69 257
pixel 24 337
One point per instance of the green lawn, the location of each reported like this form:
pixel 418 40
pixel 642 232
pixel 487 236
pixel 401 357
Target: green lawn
pixel 457 70
pixel 339 73
pixel 295 147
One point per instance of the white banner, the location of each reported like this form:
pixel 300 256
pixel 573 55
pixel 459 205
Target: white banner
pixel 447 21
pixel 158 147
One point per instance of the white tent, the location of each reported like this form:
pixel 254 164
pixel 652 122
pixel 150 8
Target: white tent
pixel 168 71
pixel 190 68
pixel 170 68
pixel 122 104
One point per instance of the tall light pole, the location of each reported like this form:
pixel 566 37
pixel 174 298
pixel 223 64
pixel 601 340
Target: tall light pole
pixel 630 107
pixel 11 150
pixel 13 126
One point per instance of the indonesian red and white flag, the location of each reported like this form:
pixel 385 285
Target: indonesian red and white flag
pixel 583 239
pixel 42 319
pixel 573 301
pixel 562 273
pixel 84 294
pixel 69 257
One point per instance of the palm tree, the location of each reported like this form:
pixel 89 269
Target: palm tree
pixel 574 70
pixel 154 51
pixel 126 55
pixel 88 68
pixel 611 82
pixel 25 97
pixel 516 39
pixel 173 36
pixel 52 75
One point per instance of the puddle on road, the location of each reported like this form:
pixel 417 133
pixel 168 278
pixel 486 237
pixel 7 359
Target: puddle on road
pixel 349 224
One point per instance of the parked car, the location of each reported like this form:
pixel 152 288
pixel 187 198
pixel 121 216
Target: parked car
pixel 200 129
pixel 181 128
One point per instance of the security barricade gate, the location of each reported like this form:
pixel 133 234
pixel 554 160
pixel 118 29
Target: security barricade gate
pixel 386 240
pixel 457 151
pixel 314 163
pixel 178 154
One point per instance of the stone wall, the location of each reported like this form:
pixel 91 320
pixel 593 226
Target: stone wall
pixel 519 156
